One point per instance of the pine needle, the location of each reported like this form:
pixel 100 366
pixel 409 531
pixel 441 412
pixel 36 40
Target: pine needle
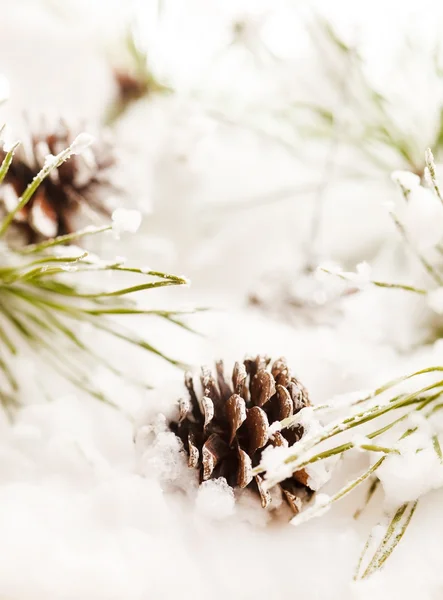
pixel 393 535
pixel 44 299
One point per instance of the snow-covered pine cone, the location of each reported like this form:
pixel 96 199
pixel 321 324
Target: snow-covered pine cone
pixel 225 431
pixel 79 183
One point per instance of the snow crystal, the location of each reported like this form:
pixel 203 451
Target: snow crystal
pixel 273 428
pixel 9 145
pixel 319 473
pixel 215 499
pixel 273 461
pixel 164 458
pixel 307 417
pixel 81 142
pixel 125 220
pixel 49 161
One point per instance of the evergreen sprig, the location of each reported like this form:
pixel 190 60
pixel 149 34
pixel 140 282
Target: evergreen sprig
pixel 374 416
pixel 368 423
pixel 46 296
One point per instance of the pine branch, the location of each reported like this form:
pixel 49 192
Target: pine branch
pixel 375 416
pixel 45 299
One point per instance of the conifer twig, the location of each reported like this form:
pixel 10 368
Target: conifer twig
pixel 45 300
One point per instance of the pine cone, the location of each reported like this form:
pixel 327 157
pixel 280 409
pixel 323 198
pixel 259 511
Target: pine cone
pixel 225 432
pixel 130 87
pixel 75 184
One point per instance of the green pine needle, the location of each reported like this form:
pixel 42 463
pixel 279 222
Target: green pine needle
pixel 45 300
pixel 393 535
pixel 375 408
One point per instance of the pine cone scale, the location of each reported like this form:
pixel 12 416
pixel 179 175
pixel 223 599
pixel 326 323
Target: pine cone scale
pixel 258 425
pixel 194 454
pixel 225 389
pixel 214 449
pixel 285 403
pixel 265 496
pixel 208 411
pixel 236 414
pixel 239 377
pixel 263 388
pixel 244 476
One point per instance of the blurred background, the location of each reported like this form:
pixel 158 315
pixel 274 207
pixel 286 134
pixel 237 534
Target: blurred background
pixel 257 138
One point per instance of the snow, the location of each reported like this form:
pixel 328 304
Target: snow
pixel 435 300
pixel 125 220
pixel 99 503
pixel 407 180
pixel 430 161
pixel 423 217
pixel 361 277
pixel 360 440
pixel 81 143
pixel 215 499
pixel 410 475
pixel 320 506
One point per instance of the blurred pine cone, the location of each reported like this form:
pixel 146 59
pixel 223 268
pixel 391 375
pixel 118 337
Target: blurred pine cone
pixel 226 430
pixel 78 184
pixel 130 87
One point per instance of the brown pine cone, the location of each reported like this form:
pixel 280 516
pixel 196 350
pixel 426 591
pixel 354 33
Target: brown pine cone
pixel 226 430
pixel 130 87
pixel 78 183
